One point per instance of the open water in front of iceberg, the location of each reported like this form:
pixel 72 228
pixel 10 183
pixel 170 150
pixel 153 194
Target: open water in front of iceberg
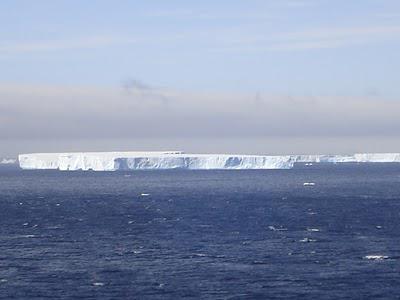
pixel 201 234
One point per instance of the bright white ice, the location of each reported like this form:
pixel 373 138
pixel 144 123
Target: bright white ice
pixel 8 161
pixel 111 161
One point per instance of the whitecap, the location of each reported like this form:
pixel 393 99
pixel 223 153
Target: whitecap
pixel 307 240
pixel 200 254
pixel 376 257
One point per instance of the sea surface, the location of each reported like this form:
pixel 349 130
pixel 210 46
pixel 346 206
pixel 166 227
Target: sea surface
pixel 201 234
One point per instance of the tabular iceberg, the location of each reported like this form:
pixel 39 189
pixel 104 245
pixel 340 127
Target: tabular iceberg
pixel 112 161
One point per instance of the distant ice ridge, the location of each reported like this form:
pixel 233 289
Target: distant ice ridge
pixel 8 161
pixel 111 161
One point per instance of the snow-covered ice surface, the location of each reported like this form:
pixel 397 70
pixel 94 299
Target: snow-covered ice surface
pixel 111 161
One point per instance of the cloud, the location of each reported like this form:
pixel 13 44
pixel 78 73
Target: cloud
pixel 92 112
pixel 306 39
pixel 223 40
pixel 87 42
pixel 141 91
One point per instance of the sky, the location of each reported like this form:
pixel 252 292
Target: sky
pixel 257 77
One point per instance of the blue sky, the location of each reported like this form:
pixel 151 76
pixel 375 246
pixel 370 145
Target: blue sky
pixel 200 70
pixel 286 46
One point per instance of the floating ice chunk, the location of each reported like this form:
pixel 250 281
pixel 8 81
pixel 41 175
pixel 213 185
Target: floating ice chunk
pixel 376 257
pixel 309 183
pixel 273 228
pixel 98 283
pixel 313 229
pixel 144 194
pixel 8 161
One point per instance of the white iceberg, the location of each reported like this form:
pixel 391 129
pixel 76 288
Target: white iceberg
pixel 111 161
pixel 8 161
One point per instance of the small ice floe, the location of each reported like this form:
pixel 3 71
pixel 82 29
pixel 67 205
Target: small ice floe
pixel 376 257
pixel 144 194
pixel 137 251
pixel 308 183
pixel 313 229
pixel 308 164
pixel 58 204
pixel 131 222
pixel 378 227
pixel 307 240
pixel 25 224
pixel 8 161
pixel 273 228
pixel 98 284
pixel 21 203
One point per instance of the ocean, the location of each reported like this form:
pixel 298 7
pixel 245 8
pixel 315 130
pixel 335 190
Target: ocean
pixel 249 234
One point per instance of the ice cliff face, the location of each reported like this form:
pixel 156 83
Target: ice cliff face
pixel 111 161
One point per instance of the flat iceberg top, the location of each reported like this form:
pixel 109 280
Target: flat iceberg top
pixel 133 160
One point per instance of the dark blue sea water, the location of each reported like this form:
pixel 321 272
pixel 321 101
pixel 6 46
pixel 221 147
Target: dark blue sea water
pixel 201 234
